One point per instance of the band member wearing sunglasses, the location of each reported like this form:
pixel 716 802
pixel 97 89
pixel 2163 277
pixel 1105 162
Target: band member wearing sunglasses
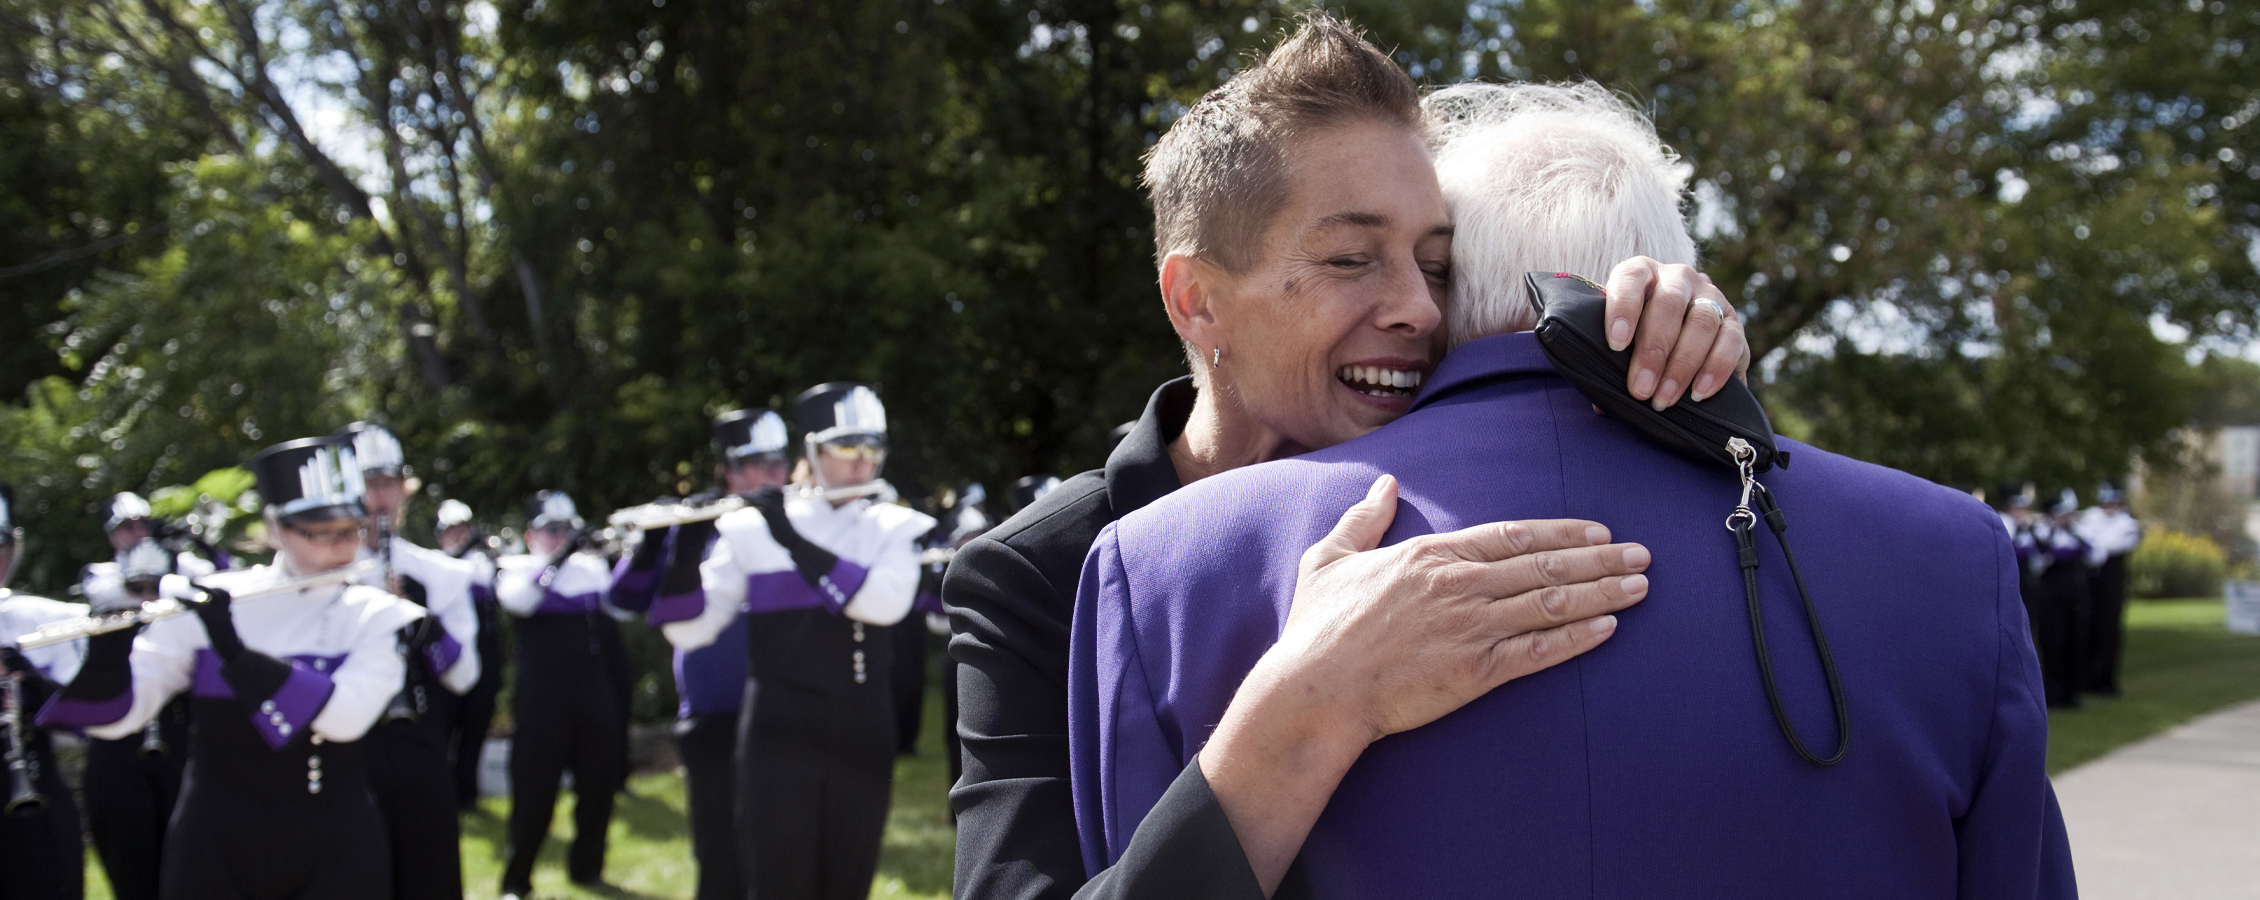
pixel 275 800
pixel 40 856
pixel 820 571
pixel 570 703
pixel 131 782
pixel 661 578
pixel 408 765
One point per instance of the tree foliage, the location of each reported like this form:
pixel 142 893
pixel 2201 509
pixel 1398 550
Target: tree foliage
pixel 545 239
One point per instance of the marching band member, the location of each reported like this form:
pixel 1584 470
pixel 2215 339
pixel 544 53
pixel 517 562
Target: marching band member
pixel 663 577
pixel 966 520
pixel 820 575
pixel 459 537
pixel 408 766
pixel 2111 535
pixel 40 854
pixel 132 782
pixel 276 799
pixel 568 705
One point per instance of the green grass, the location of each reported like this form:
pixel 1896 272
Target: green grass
pixel 2180 663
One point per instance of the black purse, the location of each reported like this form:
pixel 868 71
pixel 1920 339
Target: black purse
pixel 1728 429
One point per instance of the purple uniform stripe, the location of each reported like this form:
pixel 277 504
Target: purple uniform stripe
pixel 285 714
pixel 778 591
pixel 927 602
pixel 677 607
pixel 443 653
pixel 66 712
pixel 556 604
pixel 632 589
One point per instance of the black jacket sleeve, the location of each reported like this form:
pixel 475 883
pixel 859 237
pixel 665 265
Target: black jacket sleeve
pixel 1011 602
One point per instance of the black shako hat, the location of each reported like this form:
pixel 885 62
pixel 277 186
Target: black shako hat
pixel 1031 488
pixel 7 514
pixel 828 412
pixel 310 480
pixel 750 432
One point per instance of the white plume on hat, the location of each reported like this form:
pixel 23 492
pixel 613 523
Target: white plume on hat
pixel 124 508
pixel 146 559
pixel 330 477
pixel 378 450
pixel 768 435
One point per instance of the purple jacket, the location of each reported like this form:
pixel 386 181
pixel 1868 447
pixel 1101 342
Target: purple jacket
pixel 1650 767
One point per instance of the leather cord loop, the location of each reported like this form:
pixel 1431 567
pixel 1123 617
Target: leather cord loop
pixel 1746 544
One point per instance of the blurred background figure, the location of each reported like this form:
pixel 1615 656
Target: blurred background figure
pixel 2111 535
pixel 41 857
pixel 408 749
pixel 460 537
pixel 568 705
pixel 131 782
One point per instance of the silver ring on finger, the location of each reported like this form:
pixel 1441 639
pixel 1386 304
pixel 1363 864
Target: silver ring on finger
pixel 1710 304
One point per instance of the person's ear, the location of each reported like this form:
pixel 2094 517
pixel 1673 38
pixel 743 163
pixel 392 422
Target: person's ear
pixel 1190 289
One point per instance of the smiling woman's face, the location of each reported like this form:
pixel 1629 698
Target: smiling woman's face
pixel 1327 334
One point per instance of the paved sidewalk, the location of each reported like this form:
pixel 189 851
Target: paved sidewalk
pixel 2176 816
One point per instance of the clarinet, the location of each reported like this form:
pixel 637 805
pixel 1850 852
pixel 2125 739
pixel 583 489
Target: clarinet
pixel 406 704
pixel 153 738
pixel 23 771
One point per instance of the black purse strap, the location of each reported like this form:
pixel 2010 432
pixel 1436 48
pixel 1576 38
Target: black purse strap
pixel 1742 523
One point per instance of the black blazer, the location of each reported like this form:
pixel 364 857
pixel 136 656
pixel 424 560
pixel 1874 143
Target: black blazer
pixel 1011 601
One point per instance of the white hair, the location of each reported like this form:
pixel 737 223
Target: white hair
pixel 1553 178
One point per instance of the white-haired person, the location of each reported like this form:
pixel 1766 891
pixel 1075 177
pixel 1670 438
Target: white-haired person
pixel 1678 753
pixel 1303 250
pixel 276 800
pixel 568 706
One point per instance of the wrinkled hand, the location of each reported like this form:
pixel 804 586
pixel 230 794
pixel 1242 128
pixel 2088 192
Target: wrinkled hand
pixel 219 623
pixel 1677 340
pixel 1412 632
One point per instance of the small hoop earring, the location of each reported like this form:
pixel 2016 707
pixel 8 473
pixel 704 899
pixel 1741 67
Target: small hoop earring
pixel 1216 360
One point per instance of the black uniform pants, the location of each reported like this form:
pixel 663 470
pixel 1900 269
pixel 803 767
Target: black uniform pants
pixel 814 774
pixel 474 714
pixel 566 719
pixel 909 677
pixel 41 857
pixel 708 746
pixel 130 786
pixel 2055 608
pixel 2107 627
pixel 408 772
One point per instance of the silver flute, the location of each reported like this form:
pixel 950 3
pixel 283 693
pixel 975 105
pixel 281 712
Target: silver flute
pixel 668 515
pixel 166 607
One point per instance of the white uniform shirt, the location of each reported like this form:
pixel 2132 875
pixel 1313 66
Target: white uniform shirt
pixel 882 538
pixel 447 597
pixel 355 622
pixel 2108 534
pixel 579 586
pixel 22 614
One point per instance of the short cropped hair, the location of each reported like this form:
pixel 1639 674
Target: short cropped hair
pixel 1547 177
pixel 1218 176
